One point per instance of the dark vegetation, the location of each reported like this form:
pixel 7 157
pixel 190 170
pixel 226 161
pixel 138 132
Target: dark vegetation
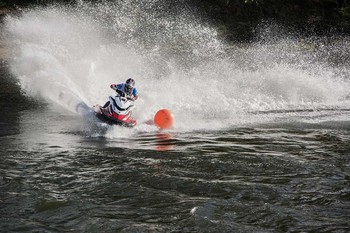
pixel 315 17
pixel 238 19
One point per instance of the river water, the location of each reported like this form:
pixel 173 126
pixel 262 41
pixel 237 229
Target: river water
pixel 260 141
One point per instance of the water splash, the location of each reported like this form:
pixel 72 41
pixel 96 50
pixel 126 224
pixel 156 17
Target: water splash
pixel 68 55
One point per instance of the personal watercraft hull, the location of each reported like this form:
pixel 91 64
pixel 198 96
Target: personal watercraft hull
pixel 114 119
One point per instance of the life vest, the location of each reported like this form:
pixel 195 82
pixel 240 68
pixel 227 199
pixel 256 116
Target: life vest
pixel 132 93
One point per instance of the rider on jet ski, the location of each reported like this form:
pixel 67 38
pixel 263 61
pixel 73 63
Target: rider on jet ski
pixel 126 89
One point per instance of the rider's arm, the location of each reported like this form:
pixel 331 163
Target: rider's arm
pixel 135 94
pixel 133 98
pixel 120 92
pixel 115 87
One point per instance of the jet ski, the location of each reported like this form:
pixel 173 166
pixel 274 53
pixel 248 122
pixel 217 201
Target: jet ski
pixel 117 112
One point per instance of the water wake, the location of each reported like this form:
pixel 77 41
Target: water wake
pixel 72 55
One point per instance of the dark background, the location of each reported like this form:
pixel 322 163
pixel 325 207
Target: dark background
pixel 316 17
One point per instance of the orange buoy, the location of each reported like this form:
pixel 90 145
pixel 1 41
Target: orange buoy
pixel 164 119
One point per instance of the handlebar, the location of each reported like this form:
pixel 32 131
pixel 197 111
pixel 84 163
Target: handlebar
pixel 122 94
pixel 125 96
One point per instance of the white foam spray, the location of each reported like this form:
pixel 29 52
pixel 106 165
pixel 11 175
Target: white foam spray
pixel 71 55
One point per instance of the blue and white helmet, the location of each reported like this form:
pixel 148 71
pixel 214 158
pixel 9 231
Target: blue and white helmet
pixel 129 84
